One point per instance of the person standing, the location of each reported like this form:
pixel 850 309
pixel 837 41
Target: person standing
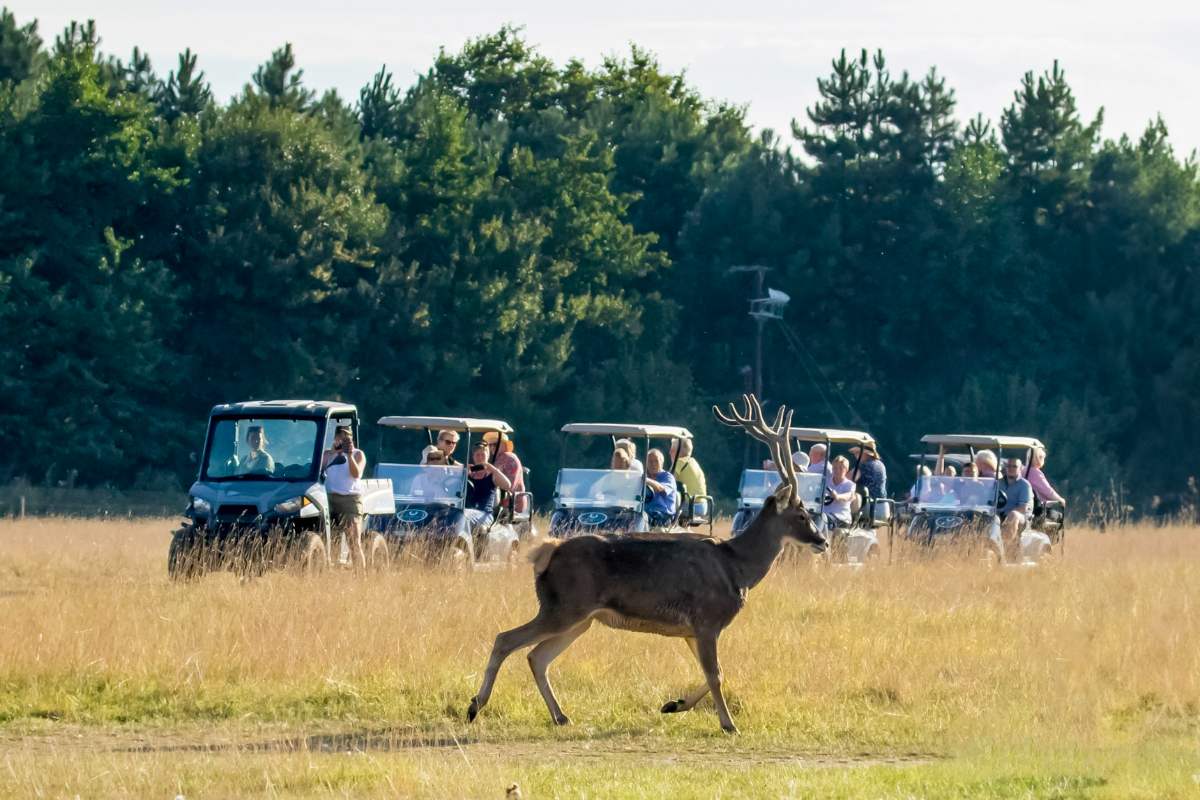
pixel 870 471
pixel 344 466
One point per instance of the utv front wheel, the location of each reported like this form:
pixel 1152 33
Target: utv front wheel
pixel 185 557
pixel 312 556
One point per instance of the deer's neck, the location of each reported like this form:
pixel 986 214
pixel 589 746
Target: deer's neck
pixel 756 550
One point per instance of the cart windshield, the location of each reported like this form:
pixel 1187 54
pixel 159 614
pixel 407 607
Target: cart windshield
pixel 759 484
pixel 262 449
pixel 956 493
pixel 598 488
pixel 424 485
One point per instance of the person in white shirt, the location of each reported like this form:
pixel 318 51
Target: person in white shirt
pixel 344 466
pixel 629 447
pixel 840 493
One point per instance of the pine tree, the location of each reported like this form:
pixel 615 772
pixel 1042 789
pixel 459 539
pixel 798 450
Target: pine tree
pixel 185 92
pixel 276 81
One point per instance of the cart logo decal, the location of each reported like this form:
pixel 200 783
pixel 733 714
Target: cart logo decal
pixel 413 515
pixel 592 518
pixel 946 523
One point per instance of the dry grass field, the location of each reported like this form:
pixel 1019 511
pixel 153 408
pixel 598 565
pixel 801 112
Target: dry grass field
pixel 1080 680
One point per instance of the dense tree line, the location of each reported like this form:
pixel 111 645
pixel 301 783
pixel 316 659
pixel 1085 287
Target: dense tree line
pixel 549 243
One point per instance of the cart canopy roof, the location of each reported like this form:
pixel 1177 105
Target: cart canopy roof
pixel 283 408
pixel 957 459
pixel 614 429
pixel 830 434
pixel 981 441
pixel 446 424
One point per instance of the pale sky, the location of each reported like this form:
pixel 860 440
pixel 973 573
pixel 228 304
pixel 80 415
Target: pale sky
pixel 1137 59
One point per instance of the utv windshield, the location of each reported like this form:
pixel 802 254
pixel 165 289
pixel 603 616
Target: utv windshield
pixel 759 484
pixel 263 449
pixel 598 488
pixel 956 493
pixel 424 485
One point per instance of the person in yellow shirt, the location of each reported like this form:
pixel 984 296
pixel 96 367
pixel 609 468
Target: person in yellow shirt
pixel 688 473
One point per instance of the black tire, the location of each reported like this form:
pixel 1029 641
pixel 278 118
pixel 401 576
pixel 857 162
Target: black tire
pixel 311 556
pixel 185 557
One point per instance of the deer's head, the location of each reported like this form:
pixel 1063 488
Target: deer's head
pixel 784 507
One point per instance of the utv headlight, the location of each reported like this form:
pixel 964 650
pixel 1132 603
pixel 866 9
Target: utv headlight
pixel 294 506
pixel 200 507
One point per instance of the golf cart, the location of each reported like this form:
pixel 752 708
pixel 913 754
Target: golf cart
pixel 856 544
pixel 430 520
pixel 259 500
pixel 963 513
pixel 613 501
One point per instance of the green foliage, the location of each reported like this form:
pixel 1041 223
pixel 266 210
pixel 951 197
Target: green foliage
pixel 541 243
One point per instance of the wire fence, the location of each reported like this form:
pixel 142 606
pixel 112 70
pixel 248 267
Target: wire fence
pixel 24 500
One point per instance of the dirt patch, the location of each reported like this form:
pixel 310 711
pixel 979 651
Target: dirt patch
pixel 360 742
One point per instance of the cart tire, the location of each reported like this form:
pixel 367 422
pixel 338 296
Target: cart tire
pixel 871 560
pixel 514 555
pixel 312 556
pixel 461 557
pixel 379 557
pixel 185 557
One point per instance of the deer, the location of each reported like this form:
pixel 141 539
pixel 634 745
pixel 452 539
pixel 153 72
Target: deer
pixel 671 585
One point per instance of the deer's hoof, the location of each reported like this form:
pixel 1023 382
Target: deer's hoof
pixel 473 710
pixel 730 728
pixel 673 706
pixel 562 719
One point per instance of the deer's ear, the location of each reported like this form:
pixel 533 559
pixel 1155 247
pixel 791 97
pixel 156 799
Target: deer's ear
pixel 783 494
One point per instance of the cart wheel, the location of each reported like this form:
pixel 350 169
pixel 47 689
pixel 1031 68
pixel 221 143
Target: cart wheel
pixel 379 557
pixel 514 555
pixel 995 555
pixel 460 558
pixel 871 559
pixel 312 557
pixel 185 558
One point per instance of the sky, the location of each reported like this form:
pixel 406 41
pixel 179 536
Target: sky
pixel 1138 60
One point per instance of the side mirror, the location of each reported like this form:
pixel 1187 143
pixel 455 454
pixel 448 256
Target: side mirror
pixel 1001 500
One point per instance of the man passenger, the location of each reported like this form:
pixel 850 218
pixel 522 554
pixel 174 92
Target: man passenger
pixel 1017 509
pixel 446 442
pixel 664 499
pixel 816 458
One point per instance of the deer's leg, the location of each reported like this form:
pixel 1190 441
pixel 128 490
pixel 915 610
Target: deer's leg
pixel 536 630
pixel 539 661
pixel 706 645
pixel 686 703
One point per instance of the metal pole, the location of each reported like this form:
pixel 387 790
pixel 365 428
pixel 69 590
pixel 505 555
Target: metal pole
pixel 22 506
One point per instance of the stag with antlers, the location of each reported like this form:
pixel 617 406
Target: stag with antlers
pixel 669 585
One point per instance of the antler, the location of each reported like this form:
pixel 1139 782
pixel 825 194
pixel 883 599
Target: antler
pixel 774 436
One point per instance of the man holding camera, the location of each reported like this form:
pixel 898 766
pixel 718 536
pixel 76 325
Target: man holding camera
pixel 344 466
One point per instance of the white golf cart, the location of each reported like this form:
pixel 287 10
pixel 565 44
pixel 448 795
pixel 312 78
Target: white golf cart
pixel 605 500
pixel 856 544
pixel 964 514
pixel 430 520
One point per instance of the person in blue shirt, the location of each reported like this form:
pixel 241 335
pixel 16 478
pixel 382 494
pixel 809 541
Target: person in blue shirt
pixel 660 485
pixel 1018 507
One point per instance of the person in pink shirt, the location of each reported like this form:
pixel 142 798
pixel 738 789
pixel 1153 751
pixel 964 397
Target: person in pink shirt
pixel 1037 478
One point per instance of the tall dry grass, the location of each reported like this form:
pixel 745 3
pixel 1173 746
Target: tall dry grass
pixel 1102 648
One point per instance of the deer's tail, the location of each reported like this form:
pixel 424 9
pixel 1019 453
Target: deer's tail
pixel 540 555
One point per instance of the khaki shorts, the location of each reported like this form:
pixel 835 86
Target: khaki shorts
pixel 344 509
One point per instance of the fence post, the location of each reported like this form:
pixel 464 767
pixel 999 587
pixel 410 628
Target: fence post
pixel 22 506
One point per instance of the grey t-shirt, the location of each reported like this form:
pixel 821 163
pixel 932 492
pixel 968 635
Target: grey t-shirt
pixel 1019 493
